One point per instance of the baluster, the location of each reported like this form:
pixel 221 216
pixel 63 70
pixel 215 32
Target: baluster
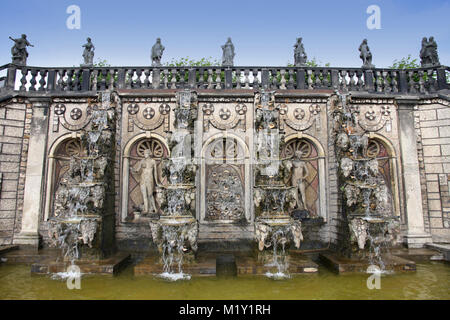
pixel 378 82
pixel 182 72
pixel 166 78
pixel 94 80
pixel 431 81
pixel 282 79
pixel 386 85
pixel 201 78
pixel 317 80
pixel 147 78
pixel 69 80
pixel 291 79
pixel 421 82
pixel 394 81
pixel 42 83
pixel 60 81
pixel 238 78
pixel 104 74
pixel 344 79
pixel 325 78
pixel 411 82
pixel 359 80
pixel 33 81
pixel 129 78
pixel 139 83
pixel 174 79
pixel 352 82
pixel 246 79
pixel 218 80
pixel 255 79
pixel 274 83
pixel 23 80
pixel 76 80
pixel 310 81
pixel 112 79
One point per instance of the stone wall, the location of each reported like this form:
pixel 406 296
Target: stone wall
pixel 433 130
pixel 432 125
pixel 15 119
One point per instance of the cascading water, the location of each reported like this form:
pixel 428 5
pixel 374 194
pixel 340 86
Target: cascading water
pixel 176 230
pixel 78 225
pixel 279 258
pixel 368 203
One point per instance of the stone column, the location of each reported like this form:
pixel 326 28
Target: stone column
pixel 416 236
pixel 34 177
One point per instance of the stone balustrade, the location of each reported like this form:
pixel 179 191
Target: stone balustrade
pixel 81 79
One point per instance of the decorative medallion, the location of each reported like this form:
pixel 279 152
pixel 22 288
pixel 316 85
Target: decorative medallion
pixel 60 109
pixel 299 114
pixel 133 109
pixel 76 114
pixel 148 113
pixel 224 114
pixel 208 109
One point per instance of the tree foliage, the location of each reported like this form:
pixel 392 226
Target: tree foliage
pixel 405 63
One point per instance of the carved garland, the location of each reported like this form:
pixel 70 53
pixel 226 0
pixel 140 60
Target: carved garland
pixel 374 118
pixel 76 120
pixel 224 118
pixel 300 118
pixel 147 118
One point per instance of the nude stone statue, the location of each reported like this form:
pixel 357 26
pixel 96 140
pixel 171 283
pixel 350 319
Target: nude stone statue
pixel 157 52
pixel 146 174
pixel 88 53
pixel 19 50
pixel 299 173
pixel 228 53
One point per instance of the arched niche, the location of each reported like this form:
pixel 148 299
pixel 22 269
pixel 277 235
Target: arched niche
pixel 134 152
pixel 314 155
pixel 225 180
pixel 381 148
pixel 58 163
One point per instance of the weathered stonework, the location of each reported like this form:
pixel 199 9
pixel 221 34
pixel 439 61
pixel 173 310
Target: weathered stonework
pixel 226 111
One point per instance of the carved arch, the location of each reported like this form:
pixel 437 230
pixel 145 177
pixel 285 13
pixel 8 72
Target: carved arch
pixel 127 162
pixel 319 157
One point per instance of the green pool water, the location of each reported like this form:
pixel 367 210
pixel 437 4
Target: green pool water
pixel 431 281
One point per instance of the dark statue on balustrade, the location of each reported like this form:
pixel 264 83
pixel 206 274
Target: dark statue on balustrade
pixel 157 52
pixel 366 55
pixel 300 56
pixel 428 53
pixel 228 53
pixel 88 53
pixel 19 50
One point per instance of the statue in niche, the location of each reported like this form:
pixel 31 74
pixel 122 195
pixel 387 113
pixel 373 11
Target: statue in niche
pixel 88 53
pixel 366 55
pixel 19 50
pixel 299 173
pixel 157 52
pixel 428 53
pixel 228 54
pixel 300 56
pixel 146 174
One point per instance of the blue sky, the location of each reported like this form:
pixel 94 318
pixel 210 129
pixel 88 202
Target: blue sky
pixel 263 32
